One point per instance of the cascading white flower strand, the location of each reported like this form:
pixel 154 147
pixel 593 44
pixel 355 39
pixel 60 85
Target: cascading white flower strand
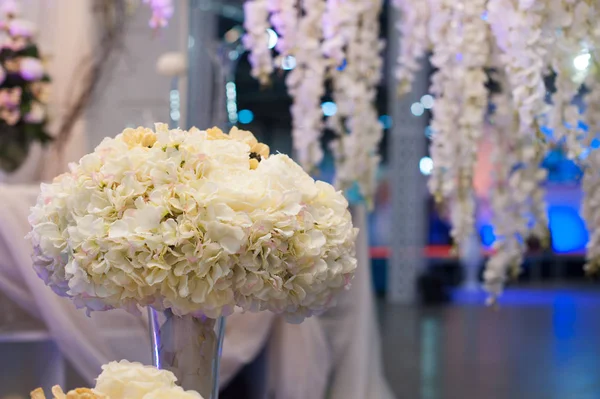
pixel 591 176
pixel 471 60
pixel 523 62
pixel 356 122
pixel 591 209
pixel 256 23
pixel 326 38
pixel 284 18
pixel 571 19
pixel 445 140
pixel 460 55
pixel 414 40
pixel 340 23
pixel 529 39
pixel 306 85
pixel 509 225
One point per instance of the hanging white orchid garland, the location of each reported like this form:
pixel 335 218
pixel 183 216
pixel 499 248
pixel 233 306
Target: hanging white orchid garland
pixel 332 41
pixel 529 40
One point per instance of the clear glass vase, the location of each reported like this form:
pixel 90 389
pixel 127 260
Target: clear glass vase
pixel 190 347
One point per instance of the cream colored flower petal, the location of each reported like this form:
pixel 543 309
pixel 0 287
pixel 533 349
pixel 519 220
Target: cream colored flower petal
pixel 37 394
pixel 243 136
pixel 84 393
pixel 253 163
pixel 215 133
pixel 58 392
pixel 261 149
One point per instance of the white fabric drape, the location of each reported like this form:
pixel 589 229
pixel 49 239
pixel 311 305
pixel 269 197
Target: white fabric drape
pixel 352 330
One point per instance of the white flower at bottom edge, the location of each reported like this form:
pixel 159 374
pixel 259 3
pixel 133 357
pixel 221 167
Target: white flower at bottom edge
pixel 172 393
pixel 129 380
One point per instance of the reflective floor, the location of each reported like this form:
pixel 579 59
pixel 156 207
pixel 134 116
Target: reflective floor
pixel 543 343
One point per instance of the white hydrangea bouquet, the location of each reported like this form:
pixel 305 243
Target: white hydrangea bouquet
pixel 194 223
pixel 126 380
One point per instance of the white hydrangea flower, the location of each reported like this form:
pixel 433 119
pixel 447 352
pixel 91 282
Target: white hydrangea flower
pixel 187 221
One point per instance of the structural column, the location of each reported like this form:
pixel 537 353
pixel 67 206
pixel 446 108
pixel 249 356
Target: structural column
pixel 408 186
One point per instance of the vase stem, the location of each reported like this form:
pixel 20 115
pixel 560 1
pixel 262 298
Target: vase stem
pixel 190 347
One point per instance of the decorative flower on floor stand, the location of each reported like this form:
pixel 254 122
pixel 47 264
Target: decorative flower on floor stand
pixel 189 224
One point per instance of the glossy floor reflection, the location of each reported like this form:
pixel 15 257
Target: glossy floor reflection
pixel 543 343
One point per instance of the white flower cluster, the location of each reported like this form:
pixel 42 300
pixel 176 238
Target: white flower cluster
pixel 328 41
pixel 197 222
pixel 127 380
pixel 356 122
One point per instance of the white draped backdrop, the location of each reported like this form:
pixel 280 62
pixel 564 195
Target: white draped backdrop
pixel 336 355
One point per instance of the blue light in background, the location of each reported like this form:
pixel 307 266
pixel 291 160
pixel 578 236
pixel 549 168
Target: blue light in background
pixel 595 143
pixel 342 66
pixel 245 116
pixel 329 108
pixel 428 132
pixel 386 121
pixel 487 235
pixel 564 319
pixel 567 229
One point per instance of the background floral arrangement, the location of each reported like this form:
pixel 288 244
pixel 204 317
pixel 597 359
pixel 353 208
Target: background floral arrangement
pixel 162 12
pixel 23 88
pixel 126 380
pixel 527 49
pixel 197 222
pixel 333 43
